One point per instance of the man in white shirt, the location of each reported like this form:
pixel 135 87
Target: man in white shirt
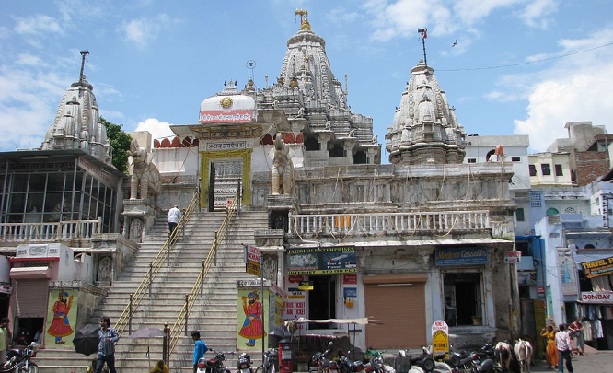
pixel 174 214
pixel 564 349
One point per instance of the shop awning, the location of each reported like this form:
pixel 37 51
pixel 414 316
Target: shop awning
pixel 30 272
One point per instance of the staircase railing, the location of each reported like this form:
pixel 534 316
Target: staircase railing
pixel 162 257
pixel 180 326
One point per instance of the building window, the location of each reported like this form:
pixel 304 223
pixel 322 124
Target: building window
pixel 472 160
pixel 535 199
pixel 570 210
pixel 545 169
pixel 532 170
pixel 463 294
pixel 515 159
pixel 519 214
pixel 559 170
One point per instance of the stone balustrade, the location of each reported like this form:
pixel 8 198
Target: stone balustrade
pixel 50 231
pixel 438 223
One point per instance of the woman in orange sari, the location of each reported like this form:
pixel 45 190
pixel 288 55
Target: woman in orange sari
pixel 552 350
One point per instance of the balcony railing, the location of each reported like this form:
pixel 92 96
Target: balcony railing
pixel 438 223
pixel 50 232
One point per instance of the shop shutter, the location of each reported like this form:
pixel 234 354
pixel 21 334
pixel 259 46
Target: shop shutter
pixel 400 309
pixel 32 298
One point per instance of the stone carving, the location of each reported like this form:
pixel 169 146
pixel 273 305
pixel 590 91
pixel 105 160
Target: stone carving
pixel 105 271
pixel 281 167
pixel 136 230
pixel 145 175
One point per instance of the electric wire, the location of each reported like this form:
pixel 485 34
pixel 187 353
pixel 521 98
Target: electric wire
pixel 525 63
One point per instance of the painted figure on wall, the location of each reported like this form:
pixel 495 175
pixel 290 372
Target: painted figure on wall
pixel 252 327
pixel 60 326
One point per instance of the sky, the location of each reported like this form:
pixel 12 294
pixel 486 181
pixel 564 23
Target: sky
pixel 507 66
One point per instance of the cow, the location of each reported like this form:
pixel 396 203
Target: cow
pixel 503 355
pixel 523 353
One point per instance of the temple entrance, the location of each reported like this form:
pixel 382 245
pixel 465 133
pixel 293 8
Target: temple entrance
pixel 225 180
pixel 223 173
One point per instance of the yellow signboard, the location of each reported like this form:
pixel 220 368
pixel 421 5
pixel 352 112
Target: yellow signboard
pixel 306 285
pixel 253 268
pixel 440 338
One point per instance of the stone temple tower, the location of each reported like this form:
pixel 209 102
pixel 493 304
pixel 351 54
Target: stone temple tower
pixel 77 122
pixel 425 128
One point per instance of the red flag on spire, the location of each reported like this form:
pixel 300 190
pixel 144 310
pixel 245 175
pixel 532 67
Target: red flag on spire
pixel 423 32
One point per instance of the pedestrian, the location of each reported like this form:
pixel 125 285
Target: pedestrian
pixel 4 335
pixel 576 329
pixel 563 344
pixel 107 337
pixel 160 367
pixel 552 351
pixel 174 214
pixel 199 349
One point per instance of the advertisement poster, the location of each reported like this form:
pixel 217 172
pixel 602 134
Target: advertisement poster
pixel 321 261
pixel 250 318
pixel 61 317
pixel 598 267
pixel 567 271
pixel 350 294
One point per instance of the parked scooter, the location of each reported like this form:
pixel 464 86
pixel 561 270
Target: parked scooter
pixel 243 363
pixel 214 364
pixel 18 359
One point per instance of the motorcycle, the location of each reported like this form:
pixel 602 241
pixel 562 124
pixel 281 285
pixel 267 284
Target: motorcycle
pixel 375 364
pixel 214 364
pixel 243 363
pixel 270 362
pixel 18 359
pixel 321 362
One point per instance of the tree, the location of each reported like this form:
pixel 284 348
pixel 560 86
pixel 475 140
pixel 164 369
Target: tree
pixel 120 144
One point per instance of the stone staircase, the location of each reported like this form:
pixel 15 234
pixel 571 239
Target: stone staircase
pixel 214 313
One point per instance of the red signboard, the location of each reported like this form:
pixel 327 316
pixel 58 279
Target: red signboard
pixel 350 279
pixel 512 256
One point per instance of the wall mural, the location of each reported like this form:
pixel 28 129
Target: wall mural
pixel 249 319
pixel 61 317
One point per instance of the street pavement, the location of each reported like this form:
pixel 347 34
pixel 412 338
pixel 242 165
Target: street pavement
pixel 592 362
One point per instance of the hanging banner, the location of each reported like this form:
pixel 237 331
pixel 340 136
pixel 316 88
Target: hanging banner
pixel 567 271
pixel 321 261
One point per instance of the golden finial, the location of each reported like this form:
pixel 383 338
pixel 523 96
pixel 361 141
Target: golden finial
pixel 304 19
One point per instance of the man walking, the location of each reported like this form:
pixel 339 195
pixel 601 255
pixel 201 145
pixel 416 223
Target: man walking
pixel 174 214
pixel 107 337
pixel 564 351
pixel 199 349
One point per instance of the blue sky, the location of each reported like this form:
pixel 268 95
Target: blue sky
pixel 518 66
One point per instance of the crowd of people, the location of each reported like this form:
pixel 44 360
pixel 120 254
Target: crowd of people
pixel 563 342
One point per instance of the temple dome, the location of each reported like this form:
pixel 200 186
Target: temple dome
pixel 229 105
pixel 77 122
pixel 425 128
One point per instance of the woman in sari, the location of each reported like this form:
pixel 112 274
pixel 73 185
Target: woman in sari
pixel 552 350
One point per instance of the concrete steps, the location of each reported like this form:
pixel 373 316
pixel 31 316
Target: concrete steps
pixel 214 313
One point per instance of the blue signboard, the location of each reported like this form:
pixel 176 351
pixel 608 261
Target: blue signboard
pixel 460 256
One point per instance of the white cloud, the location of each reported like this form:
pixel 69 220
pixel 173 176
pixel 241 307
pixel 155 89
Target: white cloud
pixel 580 97
pixel 142 31
pixel 576 89
pixel 28 102
pixel 535 14
pixel 37 25
pixel 158 130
